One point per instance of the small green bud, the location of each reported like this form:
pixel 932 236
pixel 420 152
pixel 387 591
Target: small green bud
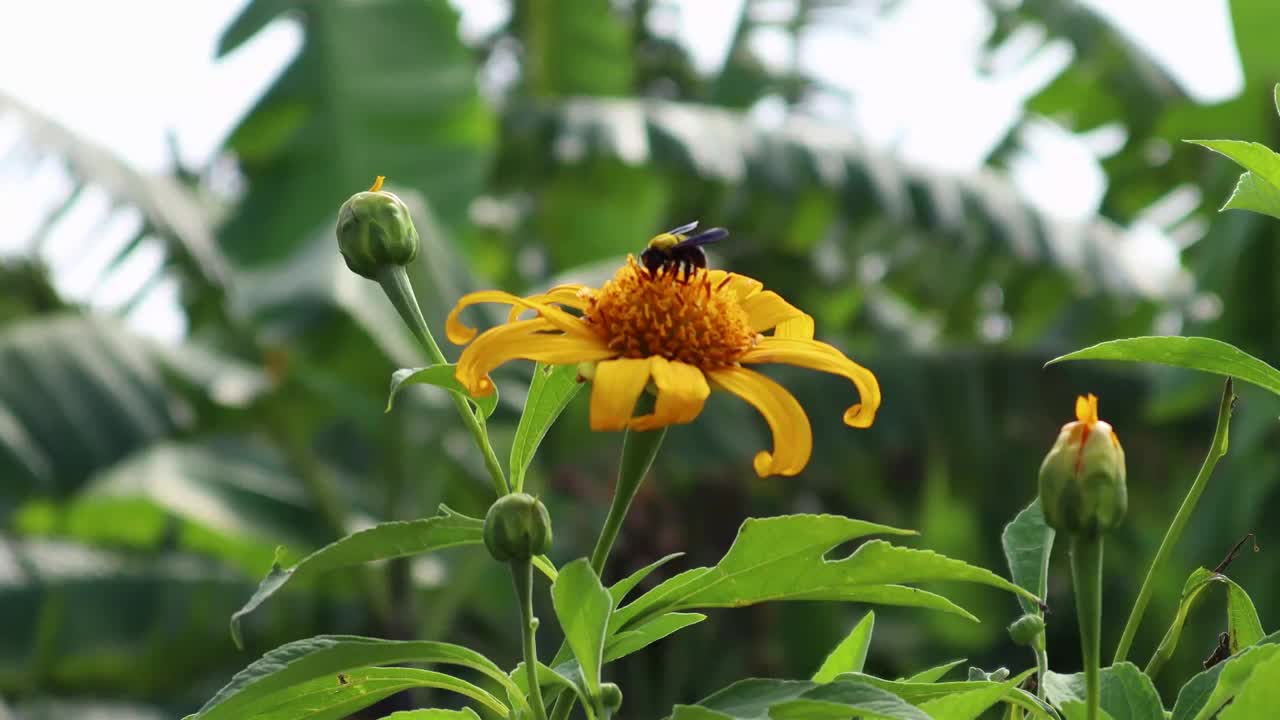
pixel 1082 479
pixel 1028 630
pixel 517 527
pixel 376 231
pixel 610 697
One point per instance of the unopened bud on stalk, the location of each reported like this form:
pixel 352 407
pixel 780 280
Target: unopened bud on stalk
pixel 1082 479
pixel 1028 630
pixel 375 231
pixel 517 527
pixel 610 697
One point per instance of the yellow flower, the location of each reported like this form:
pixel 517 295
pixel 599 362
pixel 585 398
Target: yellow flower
pixel 679 333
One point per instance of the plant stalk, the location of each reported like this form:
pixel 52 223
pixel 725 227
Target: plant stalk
pixel 1171 537
pixel 638 451
pixel 1042 668
pixel 1086 579
pixel 399 290
pixel 522 576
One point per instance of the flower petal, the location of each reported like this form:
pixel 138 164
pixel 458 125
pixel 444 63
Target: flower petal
pixel 798 328
pixel 766 310
pixel 821 356
pixel 460 334
pixel 614 390
pixel 682 389
pixel 534 339
pixel 792 437
pixel 742 285
pixel 567 295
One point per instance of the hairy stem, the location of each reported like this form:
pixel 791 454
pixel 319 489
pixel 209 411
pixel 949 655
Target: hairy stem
pixel 522 576
pixel 1171 537
pixel 638 451
pixel 395 283
pixel 1086 578
pixel 1042 668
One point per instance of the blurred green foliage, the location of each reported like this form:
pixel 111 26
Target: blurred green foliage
pixel 144 487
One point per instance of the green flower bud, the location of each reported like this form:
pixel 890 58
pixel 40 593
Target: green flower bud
pixel 1082 479
pixel 517 527
pixel 376 231
pixel 1028 630
pixel 610 697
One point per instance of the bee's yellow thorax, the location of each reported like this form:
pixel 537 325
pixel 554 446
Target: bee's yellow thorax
pixel 665 241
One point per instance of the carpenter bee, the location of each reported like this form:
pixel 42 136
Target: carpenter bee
pixel 677 251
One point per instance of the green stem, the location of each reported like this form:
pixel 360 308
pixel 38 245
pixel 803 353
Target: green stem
pixel 395 283
pixel 522 576
pixel 638 451
pixel 1086 578
pixel 1042 667
pixel 1171 537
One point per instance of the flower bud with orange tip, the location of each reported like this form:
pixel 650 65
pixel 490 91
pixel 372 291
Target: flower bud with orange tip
pixel 1082 479
pixel 375 231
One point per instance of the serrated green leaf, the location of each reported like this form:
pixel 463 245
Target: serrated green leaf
pixel 693 712
pixel 970 704
pixel 327 655
pixel 840 700
pixel 935 673
pixel 1254 194
pixel 552 388
pixel 752 698
pixel 441 376
pixel 1126 693
pixel 645 634
pixel 335 697
pixel 1260 695
pixel 851 654
pixel 1252 156
pixel 1243 626
pixel 583 606
pixel 1194 353
pixel 919 693
pixel 1027 543
pixel 619 590
pixel 433 714
pixel 784 558
pixel 1205 693
pixel 1078 710
pixel 380 542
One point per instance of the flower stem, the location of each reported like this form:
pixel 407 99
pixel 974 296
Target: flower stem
pixel 638 452
pixel 395 283
pixel 522 576
pixel 1086 578
pixel 1042 668
pixel 1171 537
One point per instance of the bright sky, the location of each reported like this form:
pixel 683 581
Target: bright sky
pixel 128 73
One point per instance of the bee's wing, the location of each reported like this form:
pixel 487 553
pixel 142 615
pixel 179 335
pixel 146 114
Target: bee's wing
pixel 706 237
pixel 683 228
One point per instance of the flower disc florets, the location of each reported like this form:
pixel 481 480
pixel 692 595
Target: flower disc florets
pixel 676 315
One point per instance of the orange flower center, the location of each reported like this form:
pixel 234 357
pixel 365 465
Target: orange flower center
pixel 681 317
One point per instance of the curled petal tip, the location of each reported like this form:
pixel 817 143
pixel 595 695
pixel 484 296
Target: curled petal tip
pixel 859 416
